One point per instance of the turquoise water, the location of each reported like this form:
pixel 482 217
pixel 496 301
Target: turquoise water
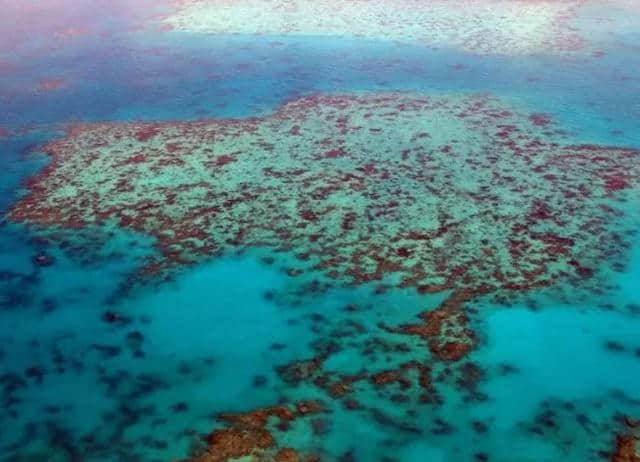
pixel 79 384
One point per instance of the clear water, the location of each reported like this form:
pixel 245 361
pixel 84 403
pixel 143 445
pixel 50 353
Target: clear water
pixel 211 339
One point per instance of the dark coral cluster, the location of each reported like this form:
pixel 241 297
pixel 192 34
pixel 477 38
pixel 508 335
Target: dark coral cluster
pixel 248 435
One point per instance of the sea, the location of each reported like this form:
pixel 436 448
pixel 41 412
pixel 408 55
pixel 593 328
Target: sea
pixel 557 376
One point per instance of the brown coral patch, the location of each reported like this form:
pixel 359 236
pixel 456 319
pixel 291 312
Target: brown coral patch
pixel 626 449
pixel 628 443
pixel 236 442
pixel 247 434
pixel 301 370
pixel 287 455
pixel 398 376
pixel 445 329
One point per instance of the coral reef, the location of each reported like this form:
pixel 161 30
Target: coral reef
pixel 628 443
pixel 248 435
pixel 512 27
pixel 430 191
pixel 445 328
pixel 463 195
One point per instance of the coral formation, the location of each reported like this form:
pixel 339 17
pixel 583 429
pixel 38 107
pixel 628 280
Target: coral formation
pixel 247 434
pixel 511 27
pixel 444 328
pixel 461 194
pixel 628 443
pixel 435 192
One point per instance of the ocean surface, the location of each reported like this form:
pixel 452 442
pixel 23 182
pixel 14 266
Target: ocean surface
pixel 100 361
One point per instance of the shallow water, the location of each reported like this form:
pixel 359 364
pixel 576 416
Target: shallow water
pixel 121 341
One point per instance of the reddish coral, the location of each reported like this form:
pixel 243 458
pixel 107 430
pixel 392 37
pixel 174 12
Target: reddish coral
pixel 147 132
pixel 444 328
pixel 302 370
pixel 399 376
pixel 309 407
pixel 342 386
pixel 614 183
pixel 287 455
pixel 378 194
pixel 224 160
pixel 626 449
pixel 628 443
pixel 247 434
pixel 333 153
pixel 230 444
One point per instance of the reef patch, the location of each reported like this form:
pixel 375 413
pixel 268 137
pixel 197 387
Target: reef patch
pixel 490 26
pixel 489 200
